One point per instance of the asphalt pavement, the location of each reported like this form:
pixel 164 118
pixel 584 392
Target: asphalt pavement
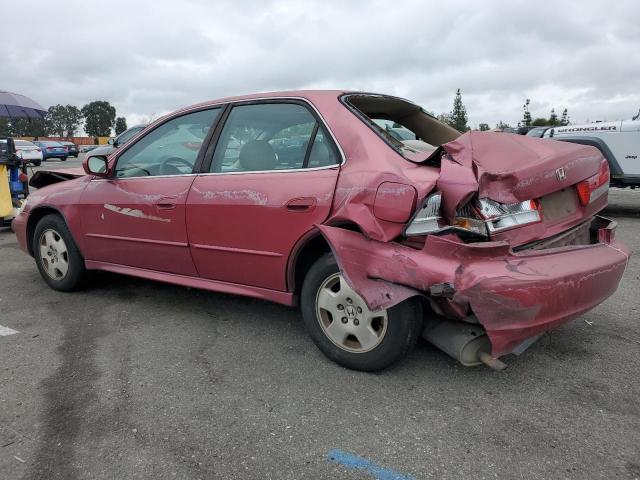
pixel 135 379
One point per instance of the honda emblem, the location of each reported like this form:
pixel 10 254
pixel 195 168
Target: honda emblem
pixel 561 174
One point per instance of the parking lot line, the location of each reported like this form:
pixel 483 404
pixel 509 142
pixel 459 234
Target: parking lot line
pixel 4 331
pixel 354 462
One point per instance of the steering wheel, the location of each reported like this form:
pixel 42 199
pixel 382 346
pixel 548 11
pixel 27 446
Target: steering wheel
pixel 168 167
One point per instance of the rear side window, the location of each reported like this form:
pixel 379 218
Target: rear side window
pixel 272 136
pixel 405 126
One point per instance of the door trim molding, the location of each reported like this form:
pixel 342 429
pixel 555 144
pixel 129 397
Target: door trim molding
pixel 135 239
pixel 236 250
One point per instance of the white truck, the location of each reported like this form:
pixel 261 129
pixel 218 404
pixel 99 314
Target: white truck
pixel 618 141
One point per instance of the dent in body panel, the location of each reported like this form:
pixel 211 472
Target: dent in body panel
pixel 513 296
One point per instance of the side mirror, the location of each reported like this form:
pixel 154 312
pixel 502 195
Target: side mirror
pixel 96 165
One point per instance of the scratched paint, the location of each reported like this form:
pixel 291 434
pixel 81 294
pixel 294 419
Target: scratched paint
pixel 239 196
pixel 132 212
pixel 354 462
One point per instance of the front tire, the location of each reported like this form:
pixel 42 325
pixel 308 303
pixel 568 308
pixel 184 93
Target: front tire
pixel 57 256
pixel 346 331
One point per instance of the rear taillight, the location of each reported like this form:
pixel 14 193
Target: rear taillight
pixel 501 216
pixel 23 177
pixel 49 148
pixel 594 187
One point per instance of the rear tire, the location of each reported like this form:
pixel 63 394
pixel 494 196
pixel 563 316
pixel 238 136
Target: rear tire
pixel 37 163
pixel 64 159
pixel 366 341
pixel 57 256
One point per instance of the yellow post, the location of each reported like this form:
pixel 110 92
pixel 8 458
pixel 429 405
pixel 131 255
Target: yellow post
pixel 6 206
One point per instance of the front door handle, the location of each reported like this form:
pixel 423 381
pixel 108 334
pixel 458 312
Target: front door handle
pixel 302 204
pixel 166 206
pixel 166 203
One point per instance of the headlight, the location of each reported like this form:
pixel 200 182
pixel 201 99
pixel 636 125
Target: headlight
pixel 22 207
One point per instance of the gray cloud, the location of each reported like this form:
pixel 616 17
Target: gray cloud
pixel 148 58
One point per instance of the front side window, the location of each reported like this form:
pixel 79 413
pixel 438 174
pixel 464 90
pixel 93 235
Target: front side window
pixel 125 136
pixel 271 136
pixel 170 149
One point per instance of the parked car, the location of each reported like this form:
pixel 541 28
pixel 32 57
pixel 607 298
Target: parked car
pixel 537 132
pixel 479 245
pixel 117 142
pixel 618 142
pixel 51 149
pixel 87 148
pixel 72 148
pixel 28 151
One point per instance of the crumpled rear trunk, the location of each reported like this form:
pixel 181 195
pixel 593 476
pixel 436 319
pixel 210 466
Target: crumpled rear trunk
pixel 509 168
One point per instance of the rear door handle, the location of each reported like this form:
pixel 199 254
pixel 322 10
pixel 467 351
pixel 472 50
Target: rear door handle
pixel 302 204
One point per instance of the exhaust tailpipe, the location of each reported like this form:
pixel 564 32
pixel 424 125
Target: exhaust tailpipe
pixel 468 343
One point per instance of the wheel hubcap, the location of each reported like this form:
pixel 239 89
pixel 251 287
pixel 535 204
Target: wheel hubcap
pixel 345 318
pixel 53 254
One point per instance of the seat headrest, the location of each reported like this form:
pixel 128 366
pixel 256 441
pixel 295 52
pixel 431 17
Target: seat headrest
pixel 257 155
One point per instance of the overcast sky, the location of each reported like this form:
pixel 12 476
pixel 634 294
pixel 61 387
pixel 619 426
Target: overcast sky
pixel 149 58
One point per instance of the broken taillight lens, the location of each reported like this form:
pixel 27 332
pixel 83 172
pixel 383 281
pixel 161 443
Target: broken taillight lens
pixel 594 187
pixel 476 219
pixel 428 220
pixel 501 216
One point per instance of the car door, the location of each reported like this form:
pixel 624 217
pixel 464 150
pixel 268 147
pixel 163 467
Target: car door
pixel 137 217
pixel 271 178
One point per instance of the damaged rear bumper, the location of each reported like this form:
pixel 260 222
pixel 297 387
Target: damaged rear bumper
pixel 514 295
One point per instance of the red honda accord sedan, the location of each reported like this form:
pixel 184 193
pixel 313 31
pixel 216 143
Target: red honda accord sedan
pixel 381 223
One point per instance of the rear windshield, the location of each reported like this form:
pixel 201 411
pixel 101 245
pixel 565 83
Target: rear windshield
pixel 52 144
pixel 405 126
pixel 23 143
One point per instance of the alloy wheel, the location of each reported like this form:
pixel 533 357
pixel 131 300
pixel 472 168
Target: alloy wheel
pixel 54 256
pixel 345 318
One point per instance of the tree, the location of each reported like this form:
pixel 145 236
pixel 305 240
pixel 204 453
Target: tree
pixel 5 127
pixel 540 122
pixel 445 118
pixel 553 118
pixel 28 127
pixel 73 120
pixel 63 121
pixel 458 116
pixel 526 118
pixel 121 125
pixel 483 127
pixel 502 125
pixel 564 120
pixel 99 118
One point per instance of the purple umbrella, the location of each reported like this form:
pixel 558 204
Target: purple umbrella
pixel 14 105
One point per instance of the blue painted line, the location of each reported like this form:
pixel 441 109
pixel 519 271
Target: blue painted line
pixel 354 462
